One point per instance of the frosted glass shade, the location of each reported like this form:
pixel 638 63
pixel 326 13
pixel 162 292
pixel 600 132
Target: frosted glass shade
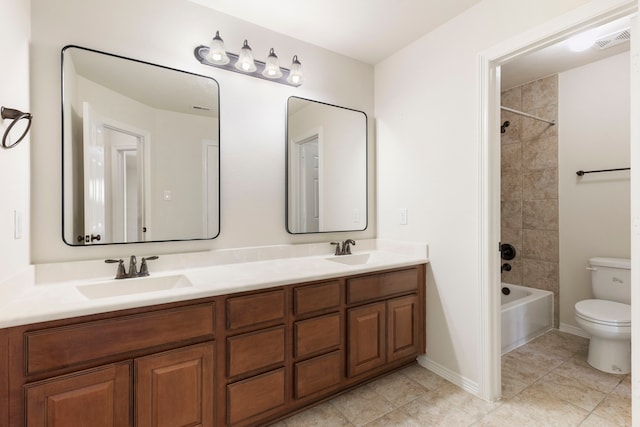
pixel 295 74
pixel 272 66
pixel 245 61
pixel 217 53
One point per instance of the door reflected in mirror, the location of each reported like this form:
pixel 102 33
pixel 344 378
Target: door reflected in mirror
pixel 140 151
pixel 326 167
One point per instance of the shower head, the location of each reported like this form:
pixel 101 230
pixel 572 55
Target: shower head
pixel 504 126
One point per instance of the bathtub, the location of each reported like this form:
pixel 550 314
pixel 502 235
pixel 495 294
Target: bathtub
pixel 526 313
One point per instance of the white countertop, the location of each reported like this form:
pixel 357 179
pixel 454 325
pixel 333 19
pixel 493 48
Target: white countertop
pixel 27 299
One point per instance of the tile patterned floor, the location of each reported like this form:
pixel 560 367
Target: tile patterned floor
pixel 544 383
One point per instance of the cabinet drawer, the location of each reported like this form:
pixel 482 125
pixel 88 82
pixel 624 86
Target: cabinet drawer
pixel 66 346
pixel 255 395
pixel 255 309
pixel 318 297
pixel 317 334
pixel 317 374
pixel 381 285
pixel 254 351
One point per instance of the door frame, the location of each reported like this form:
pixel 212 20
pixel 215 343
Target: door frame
pixel 553 31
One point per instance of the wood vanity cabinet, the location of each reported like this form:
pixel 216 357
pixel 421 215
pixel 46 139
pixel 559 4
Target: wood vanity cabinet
pixel 241 359
pixel 384 327
pixel 143 367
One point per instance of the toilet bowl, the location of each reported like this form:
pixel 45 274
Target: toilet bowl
pixel 608 324
pixel 607 317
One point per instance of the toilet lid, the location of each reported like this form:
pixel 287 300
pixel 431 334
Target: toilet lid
pixel 604 312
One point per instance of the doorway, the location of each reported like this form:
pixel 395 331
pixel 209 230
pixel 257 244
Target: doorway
pixel 491 61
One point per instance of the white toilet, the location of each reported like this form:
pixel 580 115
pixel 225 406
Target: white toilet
pixel 607 318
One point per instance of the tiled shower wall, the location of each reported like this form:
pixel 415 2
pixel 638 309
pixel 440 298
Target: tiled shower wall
pixel 529 197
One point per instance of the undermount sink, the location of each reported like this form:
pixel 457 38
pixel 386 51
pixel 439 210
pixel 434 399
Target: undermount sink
pixel 113 288
pixel 351 259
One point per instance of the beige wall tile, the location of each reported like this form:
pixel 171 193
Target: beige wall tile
pixel 511 214
pixel 511 158
pixel 540 214
pixel 534 129
pixel 511 186
pixel 541 274
pixel 540 245
pixel 540 184
pixel 540 93
pixel 540 153
pixel 512 98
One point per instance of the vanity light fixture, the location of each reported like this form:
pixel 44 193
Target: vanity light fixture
pixel 215 55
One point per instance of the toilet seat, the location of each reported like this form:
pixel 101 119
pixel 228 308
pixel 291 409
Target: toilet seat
pixel 602 312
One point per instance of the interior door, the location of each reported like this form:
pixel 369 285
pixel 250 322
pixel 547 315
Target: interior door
pixel 94 175
pixel 310 187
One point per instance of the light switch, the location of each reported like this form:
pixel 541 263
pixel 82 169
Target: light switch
pixel 17 225
pixel 404 216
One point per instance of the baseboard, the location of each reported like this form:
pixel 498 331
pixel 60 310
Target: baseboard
pixel 449 375
pixel 573 330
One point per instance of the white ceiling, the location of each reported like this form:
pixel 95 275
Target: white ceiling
pixel 557 58
pixel 372 30
pixel 366 30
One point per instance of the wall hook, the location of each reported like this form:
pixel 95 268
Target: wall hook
pixel 16 116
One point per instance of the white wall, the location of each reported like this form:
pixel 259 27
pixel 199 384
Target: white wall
pixel 252 116
pixel 594 209
pixel 14 163
pixel 428 161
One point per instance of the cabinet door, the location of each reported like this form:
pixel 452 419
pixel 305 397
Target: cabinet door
pixel 403 327
pixel 175 388
pixel 97 398
pixel 366 338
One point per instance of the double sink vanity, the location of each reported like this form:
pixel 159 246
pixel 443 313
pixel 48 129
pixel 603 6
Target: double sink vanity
pixel 225 337
pixel 241 338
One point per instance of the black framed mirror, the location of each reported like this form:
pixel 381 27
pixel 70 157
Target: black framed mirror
pixel 326 167
pixel 140 149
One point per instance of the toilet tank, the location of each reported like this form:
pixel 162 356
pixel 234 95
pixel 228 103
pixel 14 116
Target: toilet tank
pixel 611 279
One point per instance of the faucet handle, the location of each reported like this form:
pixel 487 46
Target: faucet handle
pixel 121 273
pixel 144 270
pixel 338 250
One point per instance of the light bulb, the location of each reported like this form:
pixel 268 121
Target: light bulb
pixel 217 53
pixel 272 66
pixel 245 59
pixel 583 41
pixel 295 74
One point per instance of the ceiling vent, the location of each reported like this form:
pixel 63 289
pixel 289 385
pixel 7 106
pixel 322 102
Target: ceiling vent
pixel 613 39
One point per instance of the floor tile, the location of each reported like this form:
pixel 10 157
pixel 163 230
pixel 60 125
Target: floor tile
pixel 570 390
pixel 362 405
pixel 398 389
pixel 546 382
pixel 578 368
pixel 423 376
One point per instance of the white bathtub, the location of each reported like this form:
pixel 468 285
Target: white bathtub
pixel 526 314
